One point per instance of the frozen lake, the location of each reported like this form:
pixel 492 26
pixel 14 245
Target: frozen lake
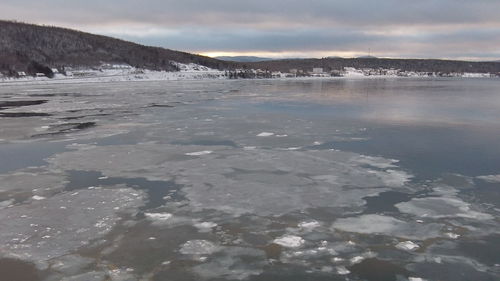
pixel 334 179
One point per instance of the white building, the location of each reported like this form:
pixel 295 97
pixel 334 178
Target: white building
pixel 276 74
pixel 317 70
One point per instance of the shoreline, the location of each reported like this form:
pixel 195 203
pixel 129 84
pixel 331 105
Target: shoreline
pixel 203 76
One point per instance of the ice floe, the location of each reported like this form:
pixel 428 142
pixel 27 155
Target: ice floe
pixel 121 274
pixel 357 259
pixel 209 186
pixel 393 178
pixel 309 225
pixel 318 179
pixel 39 182
pixel 265 134
pixel 70 264
pixel 198 247
pixel 41 230
pixel 299 254
pixel 451 267
pixel 6 203
pixel 131 159
pixel 379 224
pixel 249 147
pixel 158 217
pixel 205 226
pixel 199 153
pixel 88 276
pixel 377 162
pixel 490 178
pixel 342 270
pixel 407 245
pixel 441 207
pixel 289 241
pixel 327 269
pixel 452 235
pixel 337 260
pixel 233 263
pixel 444 190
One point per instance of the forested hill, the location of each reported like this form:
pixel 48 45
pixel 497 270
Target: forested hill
pixel 418 65
pixel 26 47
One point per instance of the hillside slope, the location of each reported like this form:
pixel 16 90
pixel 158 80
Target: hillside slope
pixel 32 48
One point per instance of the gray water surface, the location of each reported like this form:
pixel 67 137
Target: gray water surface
pixel 320 179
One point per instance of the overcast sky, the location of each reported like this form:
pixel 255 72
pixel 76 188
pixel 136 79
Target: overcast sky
pixel 458 29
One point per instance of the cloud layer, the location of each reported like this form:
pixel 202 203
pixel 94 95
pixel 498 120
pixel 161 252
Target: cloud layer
pixel 395 28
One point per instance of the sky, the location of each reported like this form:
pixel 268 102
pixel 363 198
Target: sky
pixel 448 29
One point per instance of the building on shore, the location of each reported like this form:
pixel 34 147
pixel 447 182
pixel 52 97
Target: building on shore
pixel 318 70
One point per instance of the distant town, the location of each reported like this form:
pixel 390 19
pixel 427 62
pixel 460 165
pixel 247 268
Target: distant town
pixel 122 72
pixel 349 72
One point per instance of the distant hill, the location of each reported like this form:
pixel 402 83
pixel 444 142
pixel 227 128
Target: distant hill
pixel 243 59
pixel 33 48
pixel 367 57
pixel 420 65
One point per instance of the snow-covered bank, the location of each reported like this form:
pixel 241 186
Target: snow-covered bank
pixel 121 73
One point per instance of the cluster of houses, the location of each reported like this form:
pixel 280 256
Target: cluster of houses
pixel 22 74
pixel 122 69
pixel 347 72
pixel 259 73
pixel 80 72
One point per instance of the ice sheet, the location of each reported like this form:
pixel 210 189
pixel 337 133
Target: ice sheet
pixel 44 229
pixel 441 207
pixel 379 224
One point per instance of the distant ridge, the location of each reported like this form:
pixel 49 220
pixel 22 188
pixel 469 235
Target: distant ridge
pixel 243 58
pixel 367 57
pixel 418 65
pixel 33 48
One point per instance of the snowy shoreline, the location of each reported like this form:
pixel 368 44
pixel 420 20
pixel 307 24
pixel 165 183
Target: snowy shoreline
pixel 178 76
pixel 194 73
pixel 148 76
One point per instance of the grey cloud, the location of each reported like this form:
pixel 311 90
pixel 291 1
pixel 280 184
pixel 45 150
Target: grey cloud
pixel 468 43
pixel 247 40
pixel 434 27
pixel 173 12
